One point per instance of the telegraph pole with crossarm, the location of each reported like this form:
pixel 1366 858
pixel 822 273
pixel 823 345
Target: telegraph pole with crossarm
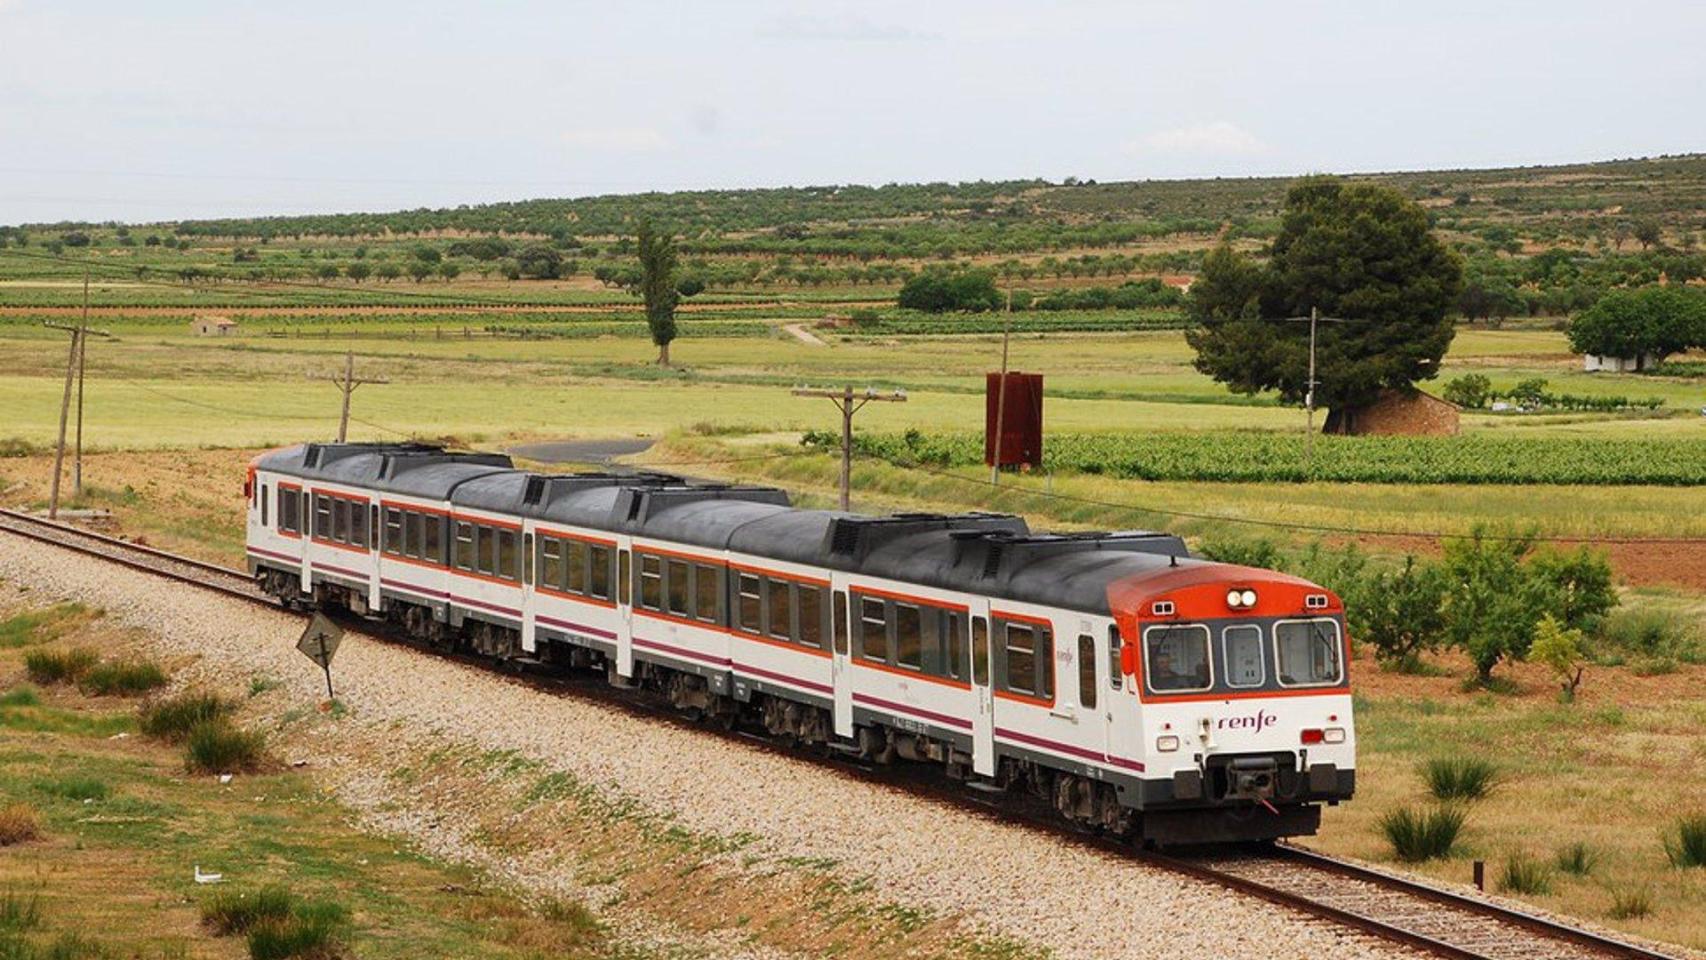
pixel 347 383
pixel 849 403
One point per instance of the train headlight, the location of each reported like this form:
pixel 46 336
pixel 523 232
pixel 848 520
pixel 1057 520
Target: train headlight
pixel 1166 744
pixel 1240 599
pixel 1333 735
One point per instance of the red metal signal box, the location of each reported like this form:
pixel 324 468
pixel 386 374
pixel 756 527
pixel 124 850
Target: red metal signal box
pixel 1021 436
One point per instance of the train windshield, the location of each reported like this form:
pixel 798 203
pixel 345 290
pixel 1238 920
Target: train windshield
pixel 1307 652
pixel 1176 658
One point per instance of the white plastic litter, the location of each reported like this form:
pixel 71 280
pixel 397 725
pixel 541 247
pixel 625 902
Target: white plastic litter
pixel 208 877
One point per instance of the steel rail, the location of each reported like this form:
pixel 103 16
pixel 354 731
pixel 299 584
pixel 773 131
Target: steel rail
pixel 207 575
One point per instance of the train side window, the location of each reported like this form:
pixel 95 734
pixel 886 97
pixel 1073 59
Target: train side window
pixel 1087 671
pixel 780 606
pixel 289 510
pixel 651 581
pixel 840 625
pixel 706 592
pixel 678 589
pixel 954 645
pixel 527 558
pixel 1242 655
pixel 505 565
pixel 358 525
pixel 409 543
pixel 624 582
pixel 340 520
pixel 598 572
pixel 811 615
pixel 322 516
pixel 373 527
pixel 550 562
pixel 431 537
pixel 873 630
pixel 264 501
pixel 908 636
pixel 1116 667
pixel 464 546
pixel 485 550
pixel 575 562
pixel 1020 642
pixel 751 602
pixel 980 651
pixel 393 531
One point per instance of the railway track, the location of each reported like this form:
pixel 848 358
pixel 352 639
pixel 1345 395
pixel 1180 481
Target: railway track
pixel 1396 909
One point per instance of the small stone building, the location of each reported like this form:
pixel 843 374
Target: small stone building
pixel 1595 363
pixel 212 326
pixel 1398 413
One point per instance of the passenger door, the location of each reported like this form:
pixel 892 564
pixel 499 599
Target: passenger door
pixel 841 678
pixel 983 713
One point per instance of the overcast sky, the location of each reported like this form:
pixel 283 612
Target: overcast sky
pixel 162 110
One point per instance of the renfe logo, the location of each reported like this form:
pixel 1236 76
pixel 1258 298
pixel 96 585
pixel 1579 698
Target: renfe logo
pixel 1256 723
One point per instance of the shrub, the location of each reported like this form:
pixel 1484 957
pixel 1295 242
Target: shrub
pixel 173 718
pixel 1524 874
pixel 1422 835
pixel 1459 778
pixel 59 666
pixel 1630 904
pixel 1402 613
pixel 1686 847
pixel 1653 631
pixel 312 936
pixel 18 824
pixel 1559 649
pixel 1578 859
pixel 1469 391
pixel 216 746
pixel 20 696
pixel 1246 553
pixel 125 678
pixel 235 911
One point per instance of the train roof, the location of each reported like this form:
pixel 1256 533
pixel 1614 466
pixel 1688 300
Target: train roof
pixel 995 555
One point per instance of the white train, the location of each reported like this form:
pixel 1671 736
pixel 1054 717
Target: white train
pixel 1142 691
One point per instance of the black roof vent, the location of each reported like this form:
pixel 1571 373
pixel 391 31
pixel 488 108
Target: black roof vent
pixel 535 490
pixel 311 456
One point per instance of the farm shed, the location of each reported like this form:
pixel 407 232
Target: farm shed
pixel 212 326
pixel 1398 413
pixel 1595 363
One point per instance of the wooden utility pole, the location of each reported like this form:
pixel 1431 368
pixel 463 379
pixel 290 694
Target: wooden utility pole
pixel 844 400
pixel 1314 319
pixel 347 383
pixel 1001 393
pixel 82 363
pixel 73 367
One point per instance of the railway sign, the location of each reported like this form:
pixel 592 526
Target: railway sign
pixel 319 643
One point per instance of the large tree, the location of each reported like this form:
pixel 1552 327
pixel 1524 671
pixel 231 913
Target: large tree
pixel 657 286
pixel 1354 251
pixel 1648 322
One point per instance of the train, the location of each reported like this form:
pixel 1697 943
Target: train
pixel 1141 691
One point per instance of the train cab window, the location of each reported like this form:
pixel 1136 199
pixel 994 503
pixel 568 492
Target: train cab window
pixel 751 602
pixel 1242 653
pixel 1306 652
pixel 811 615
pixel 873 630
pixel 322 516
pixel 264 501
pixel 908 636
pixel 1176 658
pixel 550 562
pixel 779 594
pixel 651 581
pixel 1116 668
pixel 980 651
pixel 840 625
pixel 1030 659
pixel 1087 671
pixel 598 572
pixel 706 592
pixel 464 546
pixel 677 586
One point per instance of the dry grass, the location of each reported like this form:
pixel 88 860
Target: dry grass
pixel 18 824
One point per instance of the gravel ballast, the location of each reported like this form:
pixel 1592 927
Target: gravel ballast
pixel 1040 890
